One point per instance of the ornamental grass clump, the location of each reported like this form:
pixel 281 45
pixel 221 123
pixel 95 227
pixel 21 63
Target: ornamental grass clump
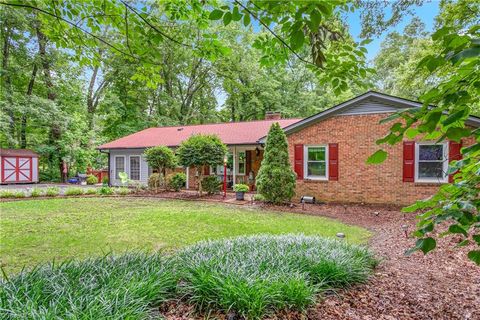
pixel 256 275
pixel 74 191
pixel 123 287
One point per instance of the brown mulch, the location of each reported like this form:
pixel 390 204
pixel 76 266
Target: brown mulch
pixel 441 285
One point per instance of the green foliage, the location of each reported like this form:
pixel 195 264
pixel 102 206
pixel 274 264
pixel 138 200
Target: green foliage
pixel 7 194
pixel 73 191
pixel 446 106
pixel 161 158
pixel 226 275
pixel 20 194
pixel 124 180
pixel 378 157
pixel 239 187
pixel 276 179
pixel 155 181
pixel 91 179
pixel 211 184
pixel 105 181
pixel 108 287
pixel 36 192
pixel 122 191
pixel 201 151
pixel 52 192
pixel 231 274
pixel 258 197
pixel 176 180
pixel 90 191
pixel 105 191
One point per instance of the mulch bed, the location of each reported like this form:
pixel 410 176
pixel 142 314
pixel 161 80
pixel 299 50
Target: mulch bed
pixel 441 285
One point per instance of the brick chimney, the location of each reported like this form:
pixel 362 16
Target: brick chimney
pixel 273 115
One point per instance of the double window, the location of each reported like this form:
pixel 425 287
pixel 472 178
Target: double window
pixel 431 162
pixel 316 164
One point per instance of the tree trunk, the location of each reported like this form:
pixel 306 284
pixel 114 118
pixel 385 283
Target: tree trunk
pixel 23 128
pixel 8 81
pixel 55 130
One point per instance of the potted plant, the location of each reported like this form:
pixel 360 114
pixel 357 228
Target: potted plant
pixel 240 190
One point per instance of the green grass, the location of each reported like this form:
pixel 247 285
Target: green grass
pixel 38 231
pixel 251 276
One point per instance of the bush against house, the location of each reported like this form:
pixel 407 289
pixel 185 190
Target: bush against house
pixel 201 152
pixel 276 179
pixel 161 158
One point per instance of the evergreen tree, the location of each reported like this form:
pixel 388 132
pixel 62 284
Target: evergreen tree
pixel 276 179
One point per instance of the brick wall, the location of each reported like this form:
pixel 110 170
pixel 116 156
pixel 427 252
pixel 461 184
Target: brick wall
pixel 357 181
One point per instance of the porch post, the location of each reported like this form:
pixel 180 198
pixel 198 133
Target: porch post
pixel 187 172
pixel 234 171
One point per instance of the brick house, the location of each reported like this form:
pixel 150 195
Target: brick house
pixel 327 151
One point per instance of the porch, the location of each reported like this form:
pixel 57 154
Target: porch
pixel 243 164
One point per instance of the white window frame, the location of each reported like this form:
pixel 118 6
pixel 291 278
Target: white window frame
pixel 445 162
pixel 305 162
pixel 139 167
pixel 115 166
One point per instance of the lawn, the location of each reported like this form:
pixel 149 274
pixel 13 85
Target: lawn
pixel 33 232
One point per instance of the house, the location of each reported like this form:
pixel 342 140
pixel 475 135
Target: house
pixel 327 151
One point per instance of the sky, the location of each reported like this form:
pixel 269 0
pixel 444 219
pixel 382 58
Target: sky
pixel 426 13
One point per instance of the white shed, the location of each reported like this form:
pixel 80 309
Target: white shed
pixel 18 166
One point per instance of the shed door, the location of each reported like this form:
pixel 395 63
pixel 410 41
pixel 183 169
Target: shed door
pixel 17 169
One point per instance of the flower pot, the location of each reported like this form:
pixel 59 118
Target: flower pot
pixel 240 195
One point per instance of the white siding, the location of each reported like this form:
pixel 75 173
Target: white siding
pixel 127 153
pixel 369 106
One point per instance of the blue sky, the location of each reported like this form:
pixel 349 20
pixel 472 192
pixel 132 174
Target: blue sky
pixel 426 13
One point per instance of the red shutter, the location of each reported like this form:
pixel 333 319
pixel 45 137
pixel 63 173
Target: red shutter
pixel 298 157
pixel 408 161
pixel 333 161
pixel 454 154
pixel 206 170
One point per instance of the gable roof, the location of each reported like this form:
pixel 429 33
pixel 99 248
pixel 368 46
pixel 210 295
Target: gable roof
pixel 353 106
pixel 17 153
pixel 231 133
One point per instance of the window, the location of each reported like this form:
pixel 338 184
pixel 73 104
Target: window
pixel 431 162
pixel 315 162
pixel 241 162
pixel 119 166
pixel 229 165
pixel 135 167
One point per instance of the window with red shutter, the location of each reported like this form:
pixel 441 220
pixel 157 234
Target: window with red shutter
pixel 298 158
pixel 408 161
pixel 333 161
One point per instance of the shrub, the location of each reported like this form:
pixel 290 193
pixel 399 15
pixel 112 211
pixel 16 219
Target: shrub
pixel 258 197
pixel 241 188
pixel 91 179
pixel 123 191
pixel 74 191
pixel 155 181
pixel 211 184
pixel 105 191
pixel 258 274
pixel 104 288
pixel 90 191
pixel 161 158
pixel 7 194
pixel 176 181
pixel 52 192
pixel 248 275
pixel 20 194
pixel 276 179
pixel 36 192
pixel 105 181
pixel 201 151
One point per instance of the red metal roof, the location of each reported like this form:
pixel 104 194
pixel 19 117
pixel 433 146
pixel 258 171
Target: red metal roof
pixel 17 153
pixel 231 133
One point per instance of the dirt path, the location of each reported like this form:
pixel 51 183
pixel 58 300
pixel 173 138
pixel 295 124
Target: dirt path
pixel 441 285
